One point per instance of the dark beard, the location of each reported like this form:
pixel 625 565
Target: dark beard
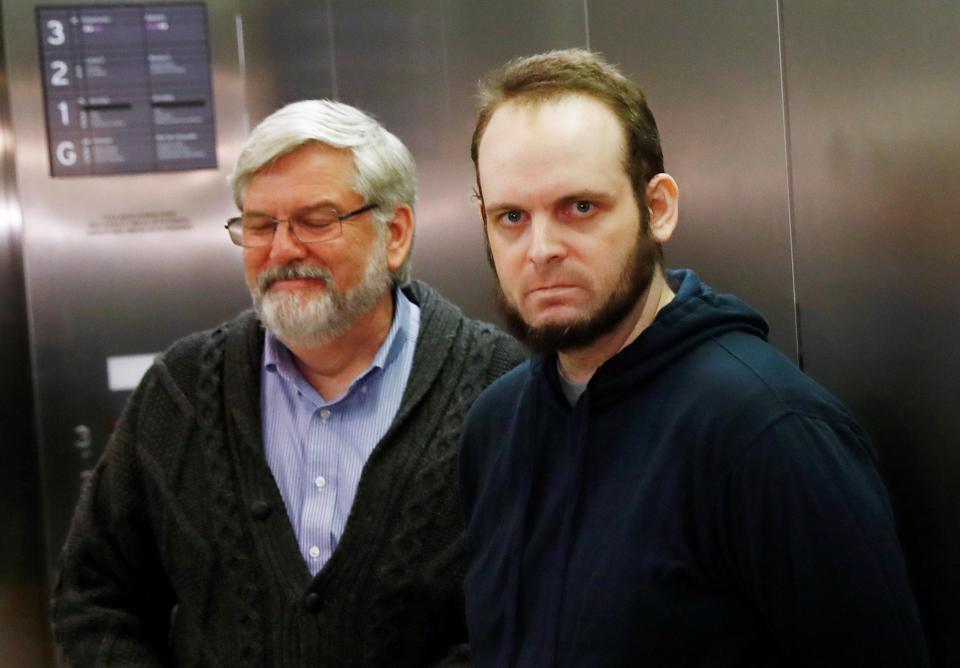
pixel 633 281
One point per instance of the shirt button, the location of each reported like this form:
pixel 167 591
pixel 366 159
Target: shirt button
pixel 314 552
pixel 320 482
pixel 260 509
pixel 312 602
pixel 325 414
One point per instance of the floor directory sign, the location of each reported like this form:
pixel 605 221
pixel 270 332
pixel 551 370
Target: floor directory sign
pixel 127 88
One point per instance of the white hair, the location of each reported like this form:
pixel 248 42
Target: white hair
pixel 383 169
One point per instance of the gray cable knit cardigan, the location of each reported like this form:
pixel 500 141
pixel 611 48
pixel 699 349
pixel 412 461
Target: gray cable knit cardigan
pixel 181 551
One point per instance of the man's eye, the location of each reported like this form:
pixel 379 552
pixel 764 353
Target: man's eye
pixel 512 217
pixel 257 224
pixel 317 222
pixel 583 207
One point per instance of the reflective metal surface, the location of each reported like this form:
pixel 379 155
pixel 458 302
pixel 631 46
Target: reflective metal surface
pixel 23 582
pixel 711 73
pixel 873 103
pixel 477 37
pixel 115 265
pixel 413 64
pixel 288 53
pixel 814 144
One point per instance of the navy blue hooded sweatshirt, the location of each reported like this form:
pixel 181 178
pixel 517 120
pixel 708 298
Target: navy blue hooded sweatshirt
pixel 704 503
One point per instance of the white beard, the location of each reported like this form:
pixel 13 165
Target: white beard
pixel 315 317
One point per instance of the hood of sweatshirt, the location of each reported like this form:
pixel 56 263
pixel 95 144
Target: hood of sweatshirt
pixel 696 314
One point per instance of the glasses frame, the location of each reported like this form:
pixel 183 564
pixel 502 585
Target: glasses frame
pixel 237 239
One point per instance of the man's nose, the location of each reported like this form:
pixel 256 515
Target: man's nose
pixel 546 243
pixel 286 246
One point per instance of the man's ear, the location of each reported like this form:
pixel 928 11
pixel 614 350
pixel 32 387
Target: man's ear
pixel 663 201
pixel 399 236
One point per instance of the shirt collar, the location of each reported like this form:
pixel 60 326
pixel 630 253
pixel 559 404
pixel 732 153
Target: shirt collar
pixel 399 332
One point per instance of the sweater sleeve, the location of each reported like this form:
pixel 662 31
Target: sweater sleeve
pixel 507 354
pixel 810 537
pixel 111 602
pixel 475 436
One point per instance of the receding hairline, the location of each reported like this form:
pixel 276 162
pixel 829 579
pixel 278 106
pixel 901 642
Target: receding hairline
pixel 536 98
pixel 556 96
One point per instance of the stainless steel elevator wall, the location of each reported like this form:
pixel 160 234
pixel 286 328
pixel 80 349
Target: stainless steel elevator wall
pixel 23 581
pixel 874 99
pixel 414 64
pixel 814 145
pixel 711 73
pixel 114 265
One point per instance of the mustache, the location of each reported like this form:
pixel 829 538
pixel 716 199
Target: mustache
pixel 288 272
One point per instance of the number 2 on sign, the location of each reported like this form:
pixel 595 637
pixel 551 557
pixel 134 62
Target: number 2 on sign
pixel 60 70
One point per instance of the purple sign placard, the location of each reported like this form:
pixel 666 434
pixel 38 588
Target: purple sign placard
pixel 127 88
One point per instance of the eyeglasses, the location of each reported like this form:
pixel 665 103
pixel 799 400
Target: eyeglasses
pixel 312 227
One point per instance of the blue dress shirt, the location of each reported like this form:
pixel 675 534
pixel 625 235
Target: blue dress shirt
pixel 317 449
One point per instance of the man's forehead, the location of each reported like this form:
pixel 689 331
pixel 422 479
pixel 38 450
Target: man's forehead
pixel 310 154
pixel 572 142
pixel 565 110
pixel 312 171
pixel 573 122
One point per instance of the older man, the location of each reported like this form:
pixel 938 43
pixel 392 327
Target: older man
pixel 281 489
pixel 659 486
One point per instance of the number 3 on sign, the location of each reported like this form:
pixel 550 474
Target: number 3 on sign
pixel 57 36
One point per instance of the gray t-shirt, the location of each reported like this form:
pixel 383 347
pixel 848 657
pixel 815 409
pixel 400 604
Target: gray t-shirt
pixel 571 390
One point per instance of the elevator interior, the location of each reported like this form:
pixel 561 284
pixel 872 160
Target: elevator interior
pixel 814 145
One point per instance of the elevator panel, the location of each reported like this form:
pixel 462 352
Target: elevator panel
pixel 126 88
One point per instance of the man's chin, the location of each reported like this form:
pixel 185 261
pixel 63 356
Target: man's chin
pixel 547 335
pixel 287 300
pixel 560 336
pixel 295 317
pixel 553 332
pixel 556 319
